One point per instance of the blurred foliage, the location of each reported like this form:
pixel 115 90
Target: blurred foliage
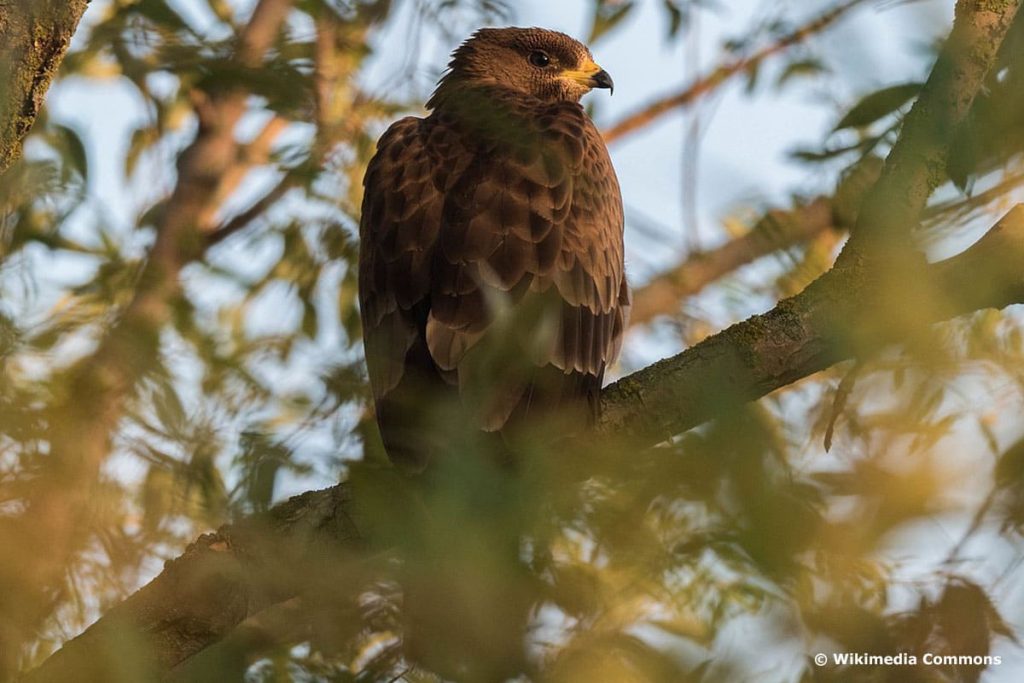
pixel 686 562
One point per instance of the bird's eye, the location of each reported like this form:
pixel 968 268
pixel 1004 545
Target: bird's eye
pixel 538 58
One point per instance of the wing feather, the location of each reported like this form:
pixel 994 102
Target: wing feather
pixel 498 231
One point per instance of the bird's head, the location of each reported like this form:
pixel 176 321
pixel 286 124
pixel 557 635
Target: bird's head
pixel 545 64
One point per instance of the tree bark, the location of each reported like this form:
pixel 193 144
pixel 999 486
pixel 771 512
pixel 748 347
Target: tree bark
pixel 200 597
pixel 36 35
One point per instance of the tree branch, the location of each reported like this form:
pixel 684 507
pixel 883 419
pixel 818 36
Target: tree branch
pixel 329 104
pixel 705 84
pixel 255 210
pixel 853 308
pixel 840 315
pixel 255 154
pixel 200 597
pixel 36 35
pixel 917 163
pixel 777 229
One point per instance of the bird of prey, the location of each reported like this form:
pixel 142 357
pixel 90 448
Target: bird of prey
pixel 491 259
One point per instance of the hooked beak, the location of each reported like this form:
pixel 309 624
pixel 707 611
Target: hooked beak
pixel 602 79
pixel 592 76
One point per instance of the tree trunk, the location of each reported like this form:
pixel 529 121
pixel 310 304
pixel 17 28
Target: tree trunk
pixel 34 36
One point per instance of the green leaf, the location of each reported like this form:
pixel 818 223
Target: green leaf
pixel 676 17
pixel 753 72
pixel 607 15
pixel 74 149
pixel 261 460
pixel 288 91
pixel 310 323
pixel 157 496
pixel 814 156
pixel 168 407
pixel 877 105
pixel 141 140
pixel 161 14
pixel 154 215
pixel 801 68
pixel 1010 468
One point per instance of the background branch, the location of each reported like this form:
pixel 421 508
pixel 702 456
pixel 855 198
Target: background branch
pixel 705 84
pixel 777 229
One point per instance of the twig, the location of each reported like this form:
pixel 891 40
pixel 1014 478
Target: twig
pixel 721 74
pixel 959 207
pixel 255 210
pixel 254 154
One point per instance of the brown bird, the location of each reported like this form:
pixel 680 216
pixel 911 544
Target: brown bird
pixel 491 262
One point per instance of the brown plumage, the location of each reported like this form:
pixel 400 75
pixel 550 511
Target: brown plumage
pixel 491 264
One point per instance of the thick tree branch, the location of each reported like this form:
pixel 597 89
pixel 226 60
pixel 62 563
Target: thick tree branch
pixel 840 315
pixel 917 163
pixel 705 84
pixel 852 308
pixel 36 35
pixel 221 580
